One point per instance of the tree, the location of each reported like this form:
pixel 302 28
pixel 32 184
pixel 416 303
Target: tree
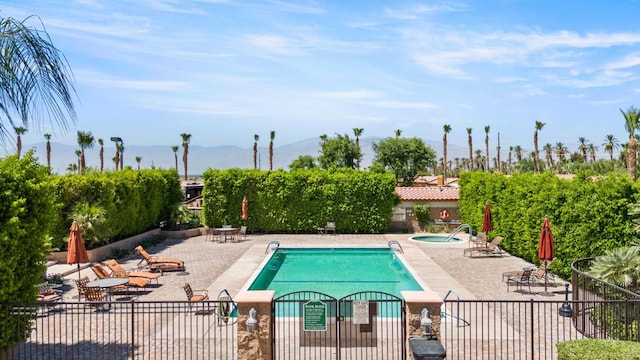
pixel 120 147
pixel 19 132
pixel 548 150
pixel 447 129
pixel 256 137
pixel 561 150
pixel 175 155
pixel 303 162
pixel 79 161
pixel 340 152
pixel 85 141
pixel 406 158
pixel 470 142
pixel 583 147
pixel 398 133
pixel 592 149
pixel 486 144
pixel 186 138
pixel 357 132
pixel 536 159
pixel 272 135
pixel 620 266
pixel 610 144
pixel 48 137
pixel 518 150
pixel 116 159
pixel 138 161
pixel 33 75
pixel 101 143
pixel 631 123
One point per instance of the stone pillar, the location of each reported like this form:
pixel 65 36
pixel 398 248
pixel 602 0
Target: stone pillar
pixel 415 301
pixel 258 345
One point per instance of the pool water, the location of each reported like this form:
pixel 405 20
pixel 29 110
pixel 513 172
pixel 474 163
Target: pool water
pixel 335 271
pixel 436 239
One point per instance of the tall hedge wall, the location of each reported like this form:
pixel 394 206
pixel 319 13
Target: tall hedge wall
pixel 133 200
pixel 588 216
pixel 27 213
pixel 300 200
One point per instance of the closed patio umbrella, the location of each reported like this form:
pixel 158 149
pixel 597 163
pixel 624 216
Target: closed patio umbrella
pixel 546 249
pixel 245 209
pixel 76 252
pixel 487 222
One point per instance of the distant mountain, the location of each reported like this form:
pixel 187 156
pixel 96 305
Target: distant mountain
pixel 205 157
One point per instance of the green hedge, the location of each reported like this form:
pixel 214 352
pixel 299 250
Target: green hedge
pixel 133 200
pixel 598 349
pixel 300 200
pixel 26 216
pixel 587 216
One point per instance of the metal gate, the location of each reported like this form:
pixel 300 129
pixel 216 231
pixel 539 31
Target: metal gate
pixel 362 325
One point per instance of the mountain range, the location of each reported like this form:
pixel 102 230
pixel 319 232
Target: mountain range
pixel 205 157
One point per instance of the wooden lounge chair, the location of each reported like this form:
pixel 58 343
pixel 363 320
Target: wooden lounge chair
pixel 119 271
pixel 490 249
pixel 160 264
pixel 102 273
pixel 519 281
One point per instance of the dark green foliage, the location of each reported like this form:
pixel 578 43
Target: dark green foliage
pixel 422 215
pixel 587 216
pixel 26 216
pixel 339 152
pixel 132 201
pixel 598 349
pixel 300 200
pixel 405 157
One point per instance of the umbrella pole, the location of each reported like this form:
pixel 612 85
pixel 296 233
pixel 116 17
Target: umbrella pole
pixel 546 264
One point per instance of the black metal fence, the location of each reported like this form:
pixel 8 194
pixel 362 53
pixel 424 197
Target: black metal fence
pixel 122 330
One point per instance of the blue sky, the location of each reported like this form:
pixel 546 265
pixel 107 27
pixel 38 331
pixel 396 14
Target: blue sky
pixel 148 70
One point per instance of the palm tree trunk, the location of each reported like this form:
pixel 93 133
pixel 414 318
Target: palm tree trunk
pixel 632 158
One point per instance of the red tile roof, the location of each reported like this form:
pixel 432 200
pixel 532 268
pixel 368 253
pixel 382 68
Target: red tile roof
pixel 440 193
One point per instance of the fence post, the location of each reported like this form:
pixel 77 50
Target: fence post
pixel 532 330
pixel 133 328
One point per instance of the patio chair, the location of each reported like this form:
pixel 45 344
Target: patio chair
pixel 490 249
pixel 81 284
pixel 95 294
pixel 160 264
pixel 538 273
pixel 479 240
pixel 47 296
pixel 194 296
pixel 102 273
pixel 242 233
pixel 330 227
pixel 119 271
pixel 519 281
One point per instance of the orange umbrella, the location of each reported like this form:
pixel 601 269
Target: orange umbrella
pixel 487 223
pixel 76 252
pixel 546 249
pixel 245 209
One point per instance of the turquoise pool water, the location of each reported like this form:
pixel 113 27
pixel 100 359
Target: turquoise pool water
pixel 334 271
pixel 436 239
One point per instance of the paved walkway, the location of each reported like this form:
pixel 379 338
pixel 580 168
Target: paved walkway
pixel 217 266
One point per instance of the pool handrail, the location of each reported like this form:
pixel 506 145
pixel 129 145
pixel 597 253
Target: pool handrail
pixel 457 317
pixel 458 229
pixel 395 242
pixel 272 242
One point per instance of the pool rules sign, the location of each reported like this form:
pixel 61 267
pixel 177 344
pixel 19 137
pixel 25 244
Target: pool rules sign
pixel 314 314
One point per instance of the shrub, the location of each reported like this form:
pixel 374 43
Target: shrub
pixel 422 215
pixel 597 349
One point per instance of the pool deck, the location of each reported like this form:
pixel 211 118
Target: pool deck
pixel 216 266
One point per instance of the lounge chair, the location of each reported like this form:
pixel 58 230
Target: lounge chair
pixel 160 264
pixel 538 274
pixel 479 240
pixel 119 271
pixel 102 273
pixel 194 295
pixel 522 279
pixel 490 249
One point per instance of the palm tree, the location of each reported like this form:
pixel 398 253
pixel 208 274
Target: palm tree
pixel 592 152
pixel 85 141
pixel 610 144
pixel 518 150
pixel 120 147
pixel 19 132
pixel 256 137
pixel 186 138
pixel 620 266
pixel 561 150
pixel 486 144
pixel 357 132
pixel 447 129
pixel 101 143
pixel 138 160
pixel 398 132
pixel 498 163
pixel 33 74
pixel 478 159
pixel 117 157
pixel 548 150
pixel 79 161
pixel 48 137
pixel 174 148
pixel 631 123
pixel 272 135
pixel 470 142
pixel 509 159
pixel 536 160
pixel 582 147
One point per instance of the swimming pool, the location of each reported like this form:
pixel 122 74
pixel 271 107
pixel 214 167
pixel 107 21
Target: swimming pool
pixel 444 239
pixel 335 271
